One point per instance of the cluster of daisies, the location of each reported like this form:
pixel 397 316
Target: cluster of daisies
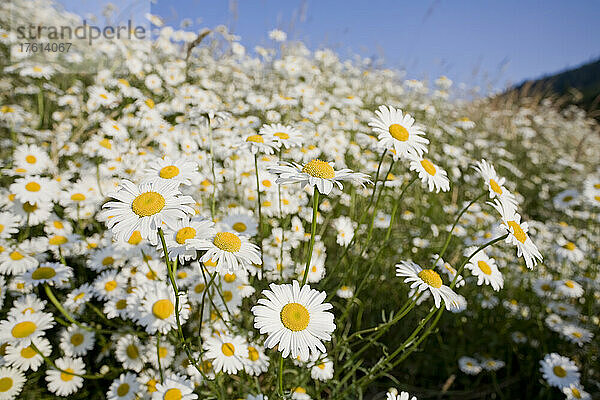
pixel 221 224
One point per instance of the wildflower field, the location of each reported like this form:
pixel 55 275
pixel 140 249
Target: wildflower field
pixel 214 222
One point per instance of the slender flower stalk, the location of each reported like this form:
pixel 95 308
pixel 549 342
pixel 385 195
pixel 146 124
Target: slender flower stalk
pixel 313 230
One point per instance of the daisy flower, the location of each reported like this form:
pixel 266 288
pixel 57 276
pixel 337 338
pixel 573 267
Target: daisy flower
pixel 50 273
pixel 34 189
pixel 129 351
pixel 16 261
pixel 157 308
pixel 241 224
pixel 469 365
pixel 517 233
pixel 492 365
pixel 11 382
pixel 495 183
pixel 145 208
pixel 76 341
pixel 399 396
pixel 559 371
pixel 228 353
pixel 174 387
pixel 345 292
pixel 484 268
pixel 430 174
pixel 322 370
pixel 31 158
pixel 21 329
pixel 257 361
pixel 398 132
pixel 125 387
pixel 185 236
pixel 230 252
pixel 283 135
pixel 295 319
pixel 577 335
pixel 64 384
pixel 25 357
pixel 575 392
pixel 9 224
pixel 316 173
pixel 428 280
pixel 183 171
pixel 257 143
pixel 569 288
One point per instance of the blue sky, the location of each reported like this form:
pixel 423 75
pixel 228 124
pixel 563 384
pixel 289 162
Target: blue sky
pixel 471 41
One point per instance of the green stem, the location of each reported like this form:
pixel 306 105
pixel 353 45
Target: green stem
pixel 313 229
pixel 158 357
pixel 280 376
pixel 64 312
pixel 259 209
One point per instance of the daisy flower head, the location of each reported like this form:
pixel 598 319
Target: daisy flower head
pixel 495 183
pixel 183 171
pixel 11 382
pixel 322 370
pixel 517 233
pixel 64 384
pixel 125 387
pixel 569 288
pixel 575 392
pixel 398 131
pixel 15 261
pixel 559 371
pixel 283 135
pixel 316 173
pixel 295 319
pixel 485 269
pixel 241 224
pixel 399 396
pixel 174 387
pixel 230 252
pixel 50 273
pixel 76 341
pixel 258 143
pixel 428 280
pixel 34 189
pixel 22 328
pixel 430 174
pixel 145 208
pixel 228 353
pixel 185 237
pixel 257 361
pixel 157 308
pixel 25 357
pixel 469 365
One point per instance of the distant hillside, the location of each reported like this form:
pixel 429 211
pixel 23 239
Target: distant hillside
pixel 579 86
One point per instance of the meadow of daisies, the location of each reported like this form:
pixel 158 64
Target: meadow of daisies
pixel 214 222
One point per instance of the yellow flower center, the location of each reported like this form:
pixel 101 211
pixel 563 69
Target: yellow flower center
pixel 398 132
pixel 169 172
pixel 110 286
pixel 570 284
pixel 570 246
pixel 121 304
pixel 30 159
pixel 559 371
pixel 576 393
pixel 484 267
pixel 149 103
pixel 16 256
pixel 135 238
pixel 77 339
pixel 67 377
pixel 173 394
pixel 240 227
pixel 578 335
pixel 321 366
pixel 108 261
pixel 319 169
pixel 517 231
pixel 428 167
pixel 228 349
pixel 151 385
pixel 163 309
pixel 33 187
pixel 148 203
pixel 105 143
pixel 253 354
pixel 255 139
pixel 23 329
pixel 184 234
pixel 431 278
pixel 282 135
pixel 132 351
pixel 123 389
pixel 495 187
pixel 227 296
pixel 57 240
pixel 227 241
pixel 5 384
pixel 43 273
pixel 229 278
pixel 199 288
pixel 29 208
pixel 295 317
pixel 28 352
